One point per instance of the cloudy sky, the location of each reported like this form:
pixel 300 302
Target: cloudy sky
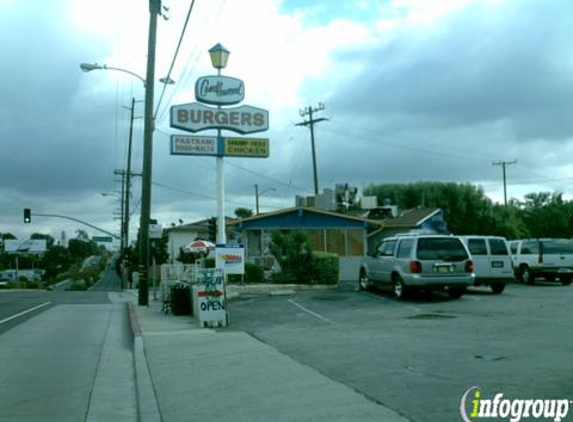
pixel 414 90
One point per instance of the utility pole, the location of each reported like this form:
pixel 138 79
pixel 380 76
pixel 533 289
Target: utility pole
pixel 256 198
pixel 310 122
pixel 503 164
pixel 143 292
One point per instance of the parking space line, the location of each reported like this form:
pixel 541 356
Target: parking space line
pixel 472 297
pixel 308 311
pixel 393 302
pixel 24 312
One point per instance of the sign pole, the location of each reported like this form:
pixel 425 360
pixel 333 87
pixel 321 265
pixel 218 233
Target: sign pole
pixel 221 232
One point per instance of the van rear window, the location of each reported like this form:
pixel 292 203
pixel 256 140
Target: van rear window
pixel 558 247
pixel 498 247
pixel 446 249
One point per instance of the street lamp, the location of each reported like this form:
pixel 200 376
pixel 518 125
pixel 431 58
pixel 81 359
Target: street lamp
pixel 88 67
pixel 219 56
pixel 148 129
pixel 258 195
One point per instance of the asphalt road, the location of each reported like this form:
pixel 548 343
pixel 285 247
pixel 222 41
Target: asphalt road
pixel 65 356
pixel 420 356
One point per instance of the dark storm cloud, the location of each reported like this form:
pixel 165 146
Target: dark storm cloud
pixel 47 133
pixel 492 61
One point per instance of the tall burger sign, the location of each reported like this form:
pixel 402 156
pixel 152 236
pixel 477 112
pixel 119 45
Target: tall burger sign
pixel 195 117
pixel 219 90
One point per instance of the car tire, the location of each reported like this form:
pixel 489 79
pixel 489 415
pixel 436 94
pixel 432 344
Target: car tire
pixel 565 280
pixel 497 288
pixel 399 288
pixel 456 293
pixel 363 282
pixel 526 275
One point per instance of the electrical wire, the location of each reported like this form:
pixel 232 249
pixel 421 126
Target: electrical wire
pixel 194 57
pixel 168 77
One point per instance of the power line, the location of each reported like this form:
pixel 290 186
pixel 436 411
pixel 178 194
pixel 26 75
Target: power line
pixel 194 55
pixel 168 77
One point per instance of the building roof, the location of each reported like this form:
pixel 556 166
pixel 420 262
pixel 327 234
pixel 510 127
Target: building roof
pixel 197 225
pixel 302 216
pixel 410 218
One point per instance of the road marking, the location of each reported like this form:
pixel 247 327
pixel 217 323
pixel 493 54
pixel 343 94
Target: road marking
pixel 393 302
pixel 24 312
pixel 308 311
pixel 472 297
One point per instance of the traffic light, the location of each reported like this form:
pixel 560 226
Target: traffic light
pixel 212 229
pixel 27 215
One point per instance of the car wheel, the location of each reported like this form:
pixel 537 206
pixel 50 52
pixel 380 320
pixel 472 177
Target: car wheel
pixel 363 282
pixel 497 288
pixel 565 280
pixel 526 275
pixel 399 288
pixel 456 293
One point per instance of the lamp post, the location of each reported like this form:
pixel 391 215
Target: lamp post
pixel 219 56
pixel 148 83
pixel 258 195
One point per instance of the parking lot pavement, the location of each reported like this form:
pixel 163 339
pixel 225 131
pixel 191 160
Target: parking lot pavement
pixel 419 356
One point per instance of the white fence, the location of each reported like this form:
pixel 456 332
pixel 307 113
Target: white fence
pixel 172 274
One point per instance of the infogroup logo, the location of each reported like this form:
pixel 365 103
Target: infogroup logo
pixel 474 407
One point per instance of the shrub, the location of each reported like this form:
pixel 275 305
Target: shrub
pixel 253 274
pixel 326 268
pixel 292 250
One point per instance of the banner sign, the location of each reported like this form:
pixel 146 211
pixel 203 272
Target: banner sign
pixel 194 145
pixel 32 246
pixel 219 146
pixel 219 90
pixel 195 117
pixel 247 147
pixel 230 259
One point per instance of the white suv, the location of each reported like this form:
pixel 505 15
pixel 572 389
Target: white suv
pixel 547 258
pixel 492 261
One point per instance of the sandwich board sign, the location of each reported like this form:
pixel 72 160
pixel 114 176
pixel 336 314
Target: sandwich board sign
pixel 209 301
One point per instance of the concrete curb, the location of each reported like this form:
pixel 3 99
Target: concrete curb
pixel 238 290
pixel 147 406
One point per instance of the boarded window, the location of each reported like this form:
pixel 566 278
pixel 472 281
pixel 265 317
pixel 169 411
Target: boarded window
pixel 316 238
pixel 355 242
pixel 335 242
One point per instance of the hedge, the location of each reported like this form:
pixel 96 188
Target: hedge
pixel 253 273
pixel 326 268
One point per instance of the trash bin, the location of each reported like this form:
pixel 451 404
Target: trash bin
pixel 181 299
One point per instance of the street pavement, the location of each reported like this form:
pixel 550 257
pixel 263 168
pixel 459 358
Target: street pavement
pixel 69 363
pixel 205 374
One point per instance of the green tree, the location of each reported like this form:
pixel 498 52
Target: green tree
pixel 293 252
pixel 55 261
pixel 242 212
pixel 467 209
pixel 50 241
pixel 547 215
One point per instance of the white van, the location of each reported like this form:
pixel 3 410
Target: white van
pixel 492 261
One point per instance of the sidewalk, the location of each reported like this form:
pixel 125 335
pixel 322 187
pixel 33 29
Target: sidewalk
pixel 201 374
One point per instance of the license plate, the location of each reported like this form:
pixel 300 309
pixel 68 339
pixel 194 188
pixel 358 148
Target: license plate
pixel 444 268
pixel 497 264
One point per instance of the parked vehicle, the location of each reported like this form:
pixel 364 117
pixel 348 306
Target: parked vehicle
pixel 492 261
pixel 548 258
pixel 423 262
